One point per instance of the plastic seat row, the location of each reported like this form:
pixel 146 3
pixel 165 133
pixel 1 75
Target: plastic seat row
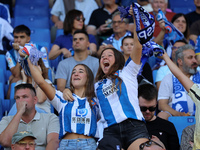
pixel 182 6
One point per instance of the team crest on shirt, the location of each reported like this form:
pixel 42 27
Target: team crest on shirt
pixel 109 89
pixel 81 112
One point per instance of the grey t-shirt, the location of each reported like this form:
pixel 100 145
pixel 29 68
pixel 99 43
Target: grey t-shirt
pixel 42 125
pixel 65 67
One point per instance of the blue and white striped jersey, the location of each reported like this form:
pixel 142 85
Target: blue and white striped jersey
pixel 117 105
pixel 76 116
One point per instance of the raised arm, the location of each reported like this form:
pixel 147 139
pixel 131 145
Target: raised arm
pixel 185 81
pixel 137 49
pixel 37 76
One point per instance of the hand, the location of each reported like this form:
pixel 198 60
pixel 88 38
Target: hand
pixel 103 28
pixel 162 25
pixel 163 56
pixel 16 46
pixel 59 24
pixel 191 143
pixel 66 52
pixel 21 53
pixel 67 95
pixel 21 106
pixel 131 10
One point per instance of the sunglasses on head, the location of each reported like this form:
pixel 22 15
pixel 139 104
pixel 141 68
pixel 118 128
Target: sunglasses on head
pixel 143 108
pixel 78 18
pixel 148 144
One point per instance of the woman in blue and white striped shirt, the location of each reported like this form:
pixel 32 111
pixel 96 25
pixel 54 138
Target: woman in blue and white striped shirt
pixel 78 118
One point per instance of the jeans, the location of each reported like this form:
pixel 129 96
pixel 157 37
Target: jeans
pixel 78 144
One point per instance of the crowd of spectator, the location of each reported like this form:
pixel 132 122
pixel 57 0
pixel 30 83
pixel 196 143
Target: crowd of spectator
pixel 86 89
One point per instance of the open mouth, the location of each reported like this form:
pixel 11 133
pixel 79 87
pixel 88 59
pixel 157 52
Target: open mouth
pixel 106 64
pixel 76 79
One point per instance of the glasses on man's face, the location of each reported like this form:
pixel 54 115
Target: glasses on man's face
pixel 143 108
pixel 78 18
pixel 174 48
pixel 148 144
pixel 24 144
pixel 118 22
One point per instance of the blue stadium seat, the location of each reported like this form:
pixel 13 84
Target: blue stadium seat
pixel 7 74
pixel 59 32
pixel 30 9
pixel 45 44
pixel 50 75
pixel 35 2
pixel 40 35
pixel 1 99
pixel 154 73
pixel 2 76
pixel 180 122
pixel 54 63
pixel 12 91
pixel 32 21
pixel 3 62
pixel 152 61
pixel 181 4
pixel 184 10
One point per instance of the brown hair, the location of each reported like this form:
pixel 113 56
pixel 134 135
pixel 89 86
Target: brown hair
pixel 44 69
pixel 69 20
pixel 118 65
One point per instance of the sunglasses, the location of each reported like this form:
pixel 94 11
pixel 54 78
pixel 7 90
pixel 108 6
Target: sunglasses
pixel 78 18
pixel 143 108
pixel 148 144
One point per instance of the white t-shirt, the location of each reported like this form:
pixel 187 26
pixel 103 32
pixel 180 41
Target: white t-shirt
pixel 86 6
pixel 166 92
pixel 6 30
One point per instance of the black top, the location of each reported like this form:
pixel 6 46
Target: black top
pixel 165 131
pixel 192 17
pixel 98 17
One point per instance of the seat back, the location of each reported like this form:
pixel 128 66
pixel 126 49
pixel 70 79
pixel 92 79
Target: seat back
pixel 32 21
pixel 40 35
pixel 31 9
pixel 181 122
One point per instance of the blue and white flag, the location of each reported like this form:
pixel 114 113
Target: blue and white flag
pixel 173 34
pixel 34 56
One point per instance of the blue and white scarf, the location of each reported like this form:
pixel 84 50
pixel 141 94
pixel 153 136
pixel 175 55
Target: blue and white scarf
pixel 173 34
pixel 149 47
pixel 179 100
pixel 34 56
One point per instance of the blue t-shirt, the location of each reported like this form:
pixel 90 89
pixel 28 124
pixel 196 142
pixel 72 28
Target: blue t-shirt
pixel 66 41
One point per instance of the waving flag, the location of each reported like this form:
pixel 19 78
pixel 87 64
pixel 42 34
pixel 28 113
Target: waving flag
pixel 173 34
pixel 149 47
